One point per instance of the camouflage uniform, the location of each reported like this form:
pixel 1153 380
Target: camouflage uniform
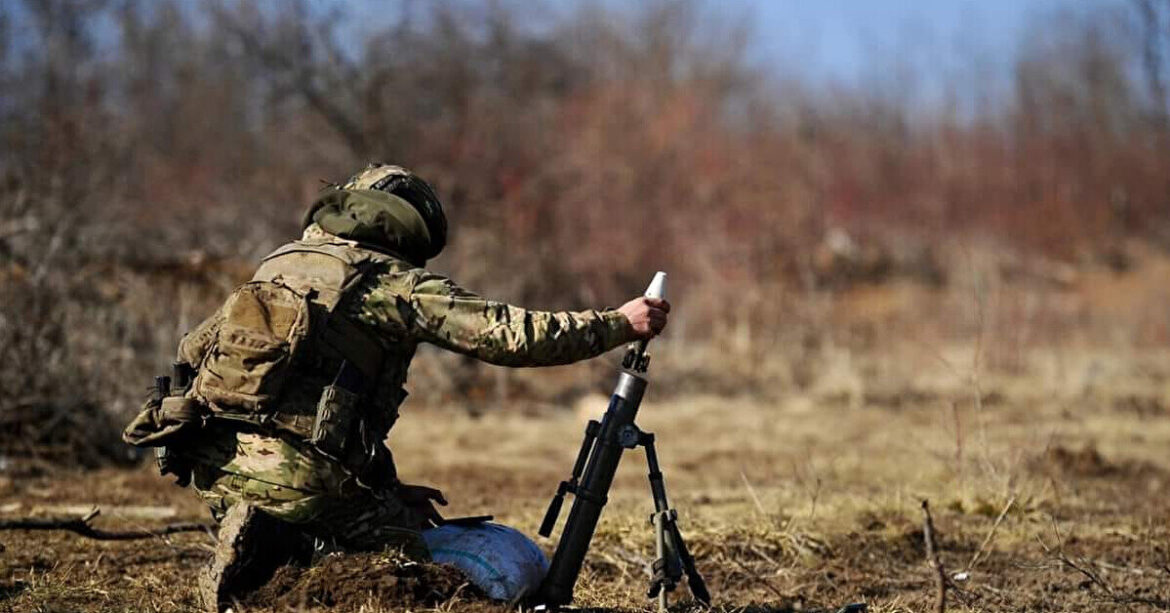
pixel 402 305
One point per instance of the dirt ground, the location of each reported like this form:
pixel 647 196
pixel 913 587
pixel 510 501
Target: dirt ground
pixel 1050 500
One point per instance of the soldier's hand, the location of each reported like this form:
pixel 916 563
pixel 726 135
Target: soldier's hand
pixel 419 498
pixel 646 315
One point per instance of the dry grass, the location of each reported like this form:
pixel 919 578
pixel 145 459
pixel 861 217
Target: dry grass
pixel 805 502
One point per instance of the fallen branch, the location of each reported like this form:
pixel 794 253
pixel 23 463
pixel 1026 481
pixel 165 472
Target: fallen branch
pixel 940 580
pixel 1085 568
pixel 81 526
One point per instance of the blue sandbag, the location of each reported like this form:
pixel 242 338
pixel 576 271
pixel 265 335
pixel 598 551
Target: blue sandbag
pixel 500 560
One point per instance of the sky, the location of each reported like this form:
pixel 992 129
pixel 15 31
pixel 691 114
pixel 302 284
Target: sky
pixel 837 41
pixel 928 54
pixel 839 38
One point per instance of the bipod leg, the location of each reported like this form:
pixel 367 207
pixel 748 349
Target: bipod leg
pixel 695 581
pixel 660 583
pixel 666 570
pixel 674 559
pixel 570 486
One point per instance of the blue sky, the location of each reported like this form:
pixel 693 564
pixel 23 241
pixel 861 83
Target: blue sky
pixel 837 37
pixel 923 53
pixel 841 38
pixel 839 41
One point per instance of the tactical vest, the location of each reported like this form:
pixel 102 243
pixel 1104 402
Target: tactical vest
pixel 281 359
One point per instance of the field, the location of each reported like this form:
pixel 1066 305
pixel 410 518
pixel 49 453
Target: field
pixel 1048 496
pixel 943 280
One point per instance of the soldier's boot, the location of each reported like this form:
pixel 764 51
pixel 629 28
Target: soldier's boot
pixel 252 545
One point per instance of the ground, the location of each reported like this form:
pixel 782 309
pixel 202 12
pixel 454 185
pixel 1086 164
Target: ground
pixel 1045 501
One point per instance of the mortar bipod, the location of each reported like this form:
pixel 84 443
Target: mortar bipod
pixel 570 486
pixel 672 558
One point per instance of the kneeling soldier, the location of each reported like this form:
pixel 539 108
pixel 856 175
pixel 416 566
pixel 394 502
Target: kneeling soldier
pixel 284 397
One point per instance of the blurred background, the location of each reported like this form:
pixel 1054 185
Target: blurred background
pixel 859 203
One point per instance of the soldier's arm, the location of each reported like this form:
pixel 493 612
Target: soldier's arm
pixel 438 311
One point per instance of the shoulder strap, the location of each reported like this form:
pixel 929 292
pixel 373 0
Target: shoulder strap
pixel 329 269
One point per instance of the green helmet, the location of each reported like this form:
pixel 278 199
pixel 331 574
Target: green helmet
pixel 404 214
pixel 403 183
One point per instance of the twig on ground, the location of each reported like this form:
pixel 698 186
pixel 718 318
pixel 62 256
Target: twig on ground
pixel 1084 567
pixel 766 557
pixel 748 572
pixel 940 599
pixel 81 526
pixel 752 492
pixel 990 535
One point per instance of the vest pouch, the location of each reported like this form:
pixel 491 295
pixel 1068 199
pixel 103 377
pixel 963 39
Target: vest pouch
pixel 249 360
pixel 335 414
pixel 167 421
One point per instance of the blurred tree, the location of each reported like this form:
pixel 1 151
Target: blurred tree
pixel 152 150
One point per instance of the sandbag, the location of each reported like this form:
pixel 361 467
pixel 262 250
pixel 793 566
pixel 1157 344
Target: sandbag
pixel 500 560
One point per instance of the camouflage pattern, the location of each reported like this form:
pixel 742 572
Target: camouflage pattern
pixel 343 518
pixel 418 306
pixel 367 177
pixel 286 483
pixel 402 305
pixel 271 475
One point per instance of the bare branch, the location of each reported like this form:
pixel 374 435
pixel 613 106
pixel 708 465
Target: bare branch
pixel 301 72
pixel 1085 568
pixel 81 526
pixel 940 582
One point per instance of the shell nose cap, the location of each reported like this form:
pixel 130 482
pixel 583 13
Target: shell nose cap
pixel 657 288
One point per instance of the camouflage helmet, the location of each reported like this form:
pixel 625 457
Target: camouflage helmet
pixel 398 181
pixel 374 219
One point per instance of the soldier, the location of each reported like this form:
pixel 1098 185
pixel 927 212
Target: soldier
pixel 296 380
